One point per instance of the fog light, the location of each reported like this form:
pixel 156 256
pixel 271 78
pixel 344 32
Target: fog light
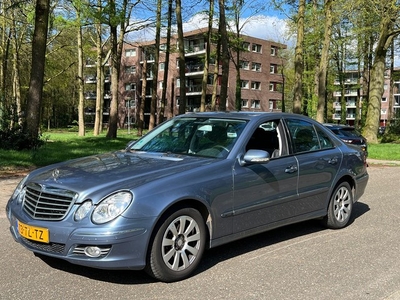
pixel 92 251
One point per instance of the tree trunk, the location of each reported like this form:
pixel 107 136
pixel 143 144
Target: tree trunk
pixel 223 96
pixel 81 104
pixel 98 120
pixel 32 122
pixel 298 60
pixel 207 58
pixel 323 67
pixel 16 75
pixel 143 95
pixel 370 129
pixel 153 104
pixel 182 64
pixel 166 66
pixel 113 117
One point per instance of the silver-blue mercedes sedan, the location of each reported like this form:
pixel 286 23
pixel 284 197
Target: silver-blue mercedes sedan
pixel 195 182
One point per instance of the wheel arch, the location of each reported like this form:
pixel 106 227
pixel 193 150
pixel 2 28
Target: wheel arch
pixel 346 178
pixel 184 203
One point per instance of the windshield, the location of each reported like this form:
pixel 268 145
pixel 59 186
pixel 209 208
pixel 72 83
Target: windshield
pixel 208 137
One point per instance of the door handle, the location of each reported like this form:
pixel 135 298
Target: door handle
pixel 333 161
pixel 291 169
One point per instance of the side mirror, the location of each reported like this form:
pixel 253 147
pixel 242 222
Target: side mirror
pixel 255 157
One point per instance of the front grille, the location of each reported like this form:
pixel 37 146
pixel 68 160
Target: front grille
pixel 52 247
pixel 47 203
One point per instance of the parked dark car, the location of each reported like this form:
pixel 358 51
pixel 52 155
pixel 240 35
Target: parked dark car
pixel 196 181
pixel 349 135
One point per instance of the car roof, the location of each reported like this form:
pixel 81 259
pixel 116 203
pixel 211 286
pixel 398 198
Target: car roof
pixel 338 126
pixel 244 115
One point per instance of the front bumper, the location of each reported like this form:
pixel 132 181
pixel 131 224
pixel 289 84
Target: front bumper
pixel 123 244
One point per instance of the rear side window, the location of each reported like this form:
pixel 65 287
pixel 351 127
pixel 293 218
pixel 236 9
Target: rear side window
pixel 324 139
pixel 303 135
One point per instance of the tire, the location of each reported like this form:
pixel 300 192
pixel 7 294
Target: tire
pixel 178 246
pixel 340 207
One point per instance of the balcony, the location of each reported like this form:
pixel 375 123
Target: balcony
pixel 194 69
pixel 195 50
pixel 90 79
pixel 194 90
pixel 91 95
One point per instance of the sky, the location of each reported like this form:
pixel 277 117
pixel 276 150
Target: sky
pixel 267 27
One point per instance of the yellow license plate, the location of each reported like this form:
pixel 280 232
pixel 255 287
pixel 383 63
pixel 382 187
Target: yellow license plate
pixel 33 233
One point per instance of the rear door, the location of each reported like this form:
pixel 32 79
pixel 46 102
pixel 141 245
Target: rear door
pixel 318 160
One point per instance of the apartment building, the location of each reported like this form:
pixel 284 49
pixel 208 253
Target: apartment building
pixel 385 104
pixel 353 94
pixel 261 81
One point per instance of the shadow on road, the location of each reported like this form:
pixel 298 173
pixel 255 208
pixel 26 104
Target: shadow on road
pixel 211 258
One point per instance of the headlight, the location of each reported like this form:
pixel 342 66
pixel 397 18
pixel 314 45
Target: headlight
pixel 19 190
pixel 111 207
pixel 83 210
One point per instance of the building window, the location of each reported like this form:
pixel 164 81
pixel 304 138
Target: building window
pixel 256 85
pixel 256 67
pixel 396 100
pixel 272 86
pixel 244 65
pixel 273 51
pixel 384 99
pixel 271 104
pixel 130 69
pixel 130 52
pixel 161 66
pixel 273 69
pixel 256 48
pixel 246 46
pixel 383 111
pixel 161 84
pixel 245 103
pixel 178 82
pixel 244 84
pixel 255 103
pixel 163 47
pixel 130 87
pixel 385 87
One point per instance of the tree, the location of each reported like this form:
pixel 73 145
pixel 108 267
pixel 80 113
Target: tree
pixel 81 102
pixel 388 12
pixel 204 81
pixel 153 103
pixel 32 122
pixel 223 36
pixel 166 64
pixel 298 62
pixel 323 65
pixel 182 65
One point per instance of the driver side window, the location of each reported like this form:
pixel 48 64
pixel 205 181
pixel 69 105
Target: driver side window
pixel 266 137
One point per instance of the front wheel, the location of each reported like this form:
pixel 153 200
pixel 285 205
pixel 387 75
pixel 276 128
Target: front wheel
pixel 178 246
pixel 340 207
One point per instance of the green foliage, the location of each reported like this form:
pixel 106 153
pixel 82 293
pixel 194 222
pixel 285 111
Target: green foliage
pixel 60 146
pixel 16 139
pixel 387 151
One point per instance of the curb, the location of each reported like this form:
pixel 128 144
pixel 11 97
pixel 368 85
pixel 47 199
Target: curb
pixel 392 163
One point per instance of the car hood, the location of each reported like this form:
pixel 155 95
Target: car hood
pixel 112 171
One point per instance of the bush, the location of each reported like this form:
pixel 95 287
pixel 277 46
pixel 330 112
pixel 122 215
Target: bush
pixel 16 139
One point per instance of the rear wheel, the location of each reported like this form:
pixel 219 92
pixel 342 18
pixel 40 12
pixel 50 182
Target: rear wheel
pixel 178 246
pixel 340 207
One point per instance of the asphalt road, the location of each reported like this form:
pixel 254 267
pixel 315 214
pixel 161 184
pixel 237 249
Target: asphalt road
pixel 303 261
